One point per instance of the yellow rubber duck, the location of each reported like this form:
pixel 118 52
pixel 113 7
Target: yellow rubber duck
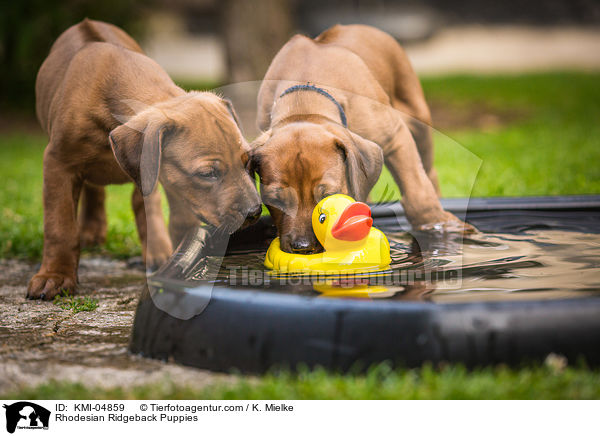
pixel 344 229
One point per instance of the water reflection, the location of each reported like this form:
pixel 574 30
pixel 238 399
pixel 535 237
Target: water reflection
pixel 536 264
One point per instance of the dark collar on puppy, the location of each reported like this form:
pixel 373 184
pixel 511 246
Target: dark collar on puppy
pixel 309 87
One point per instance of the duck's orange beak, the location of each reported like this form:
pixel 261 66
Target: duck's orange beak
pixel 354 224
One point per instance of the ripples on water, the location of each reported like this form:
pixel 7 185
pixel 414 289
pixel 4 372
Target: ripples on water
pixel 533 264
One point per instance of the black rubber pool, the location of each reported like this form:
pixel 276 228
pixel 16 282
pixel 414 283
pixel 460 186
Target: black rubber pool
pixel 252 329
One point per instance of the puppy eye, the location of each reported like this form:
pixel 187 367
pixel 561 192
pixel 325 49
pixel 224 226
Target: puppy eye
pixel 325 194
pixel 322 218
pixel 209 174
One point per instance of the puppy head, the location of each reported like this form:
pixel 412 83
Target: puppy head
pixel 193 145
pixel 300 164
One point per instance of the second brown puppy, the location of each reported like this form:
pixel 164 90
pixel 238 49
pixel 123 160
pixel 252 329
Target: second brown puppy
pixel 333 109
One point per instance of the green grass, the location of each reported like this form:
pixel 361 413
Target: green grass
pixel 21 211
pixel 550 145
pixel 450 382
pixel 76 304
pixel 551 150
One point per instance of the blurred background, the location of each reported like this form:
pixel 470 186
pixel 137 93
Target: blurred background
pixel 231 41
pixel 513 87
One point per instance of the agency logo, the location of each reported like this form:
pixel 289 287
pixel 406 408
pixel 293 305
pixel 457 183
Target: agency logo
pixel 26 415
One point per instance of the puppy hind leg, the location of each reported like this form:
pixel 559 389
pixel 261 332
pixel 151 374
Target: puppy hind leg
pixel 92 216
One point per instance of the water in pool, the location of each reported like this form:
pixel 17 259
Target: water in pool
pixel 537 262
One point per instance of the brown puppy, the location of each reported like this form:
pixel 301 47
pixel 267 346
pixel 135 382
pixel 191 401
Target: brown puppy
pixel 354 75
pixel 113 116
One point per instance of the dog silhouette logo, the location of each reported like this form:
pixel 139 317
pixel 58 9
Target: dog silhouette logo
pixel 26 415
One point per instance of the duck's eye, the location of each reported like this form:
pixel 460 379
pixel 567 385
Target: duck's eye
pixel 322 218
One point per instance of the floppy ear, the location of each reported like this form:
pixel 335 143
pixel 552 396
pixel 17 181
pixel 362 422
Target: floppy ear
pixel 137 146
pixel 229 105
pixel 364 160
pixel 254 163
pixel 261 139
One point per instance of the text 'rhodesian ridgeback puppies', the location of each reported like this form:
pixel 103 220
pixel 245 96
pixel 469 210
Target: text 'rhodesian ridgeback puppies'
pixel 113 115
pixel 333 109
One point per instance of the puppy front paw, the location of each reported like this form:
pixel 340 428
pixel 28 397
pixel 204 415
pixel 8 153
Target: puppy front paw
pixel 448 223
pixel 155 261
pixel 157 254
pixel 46 286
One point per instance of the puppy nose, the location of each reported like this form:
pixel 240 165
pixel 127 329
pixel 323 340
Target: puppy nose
pixel 254 213
pixel 301 246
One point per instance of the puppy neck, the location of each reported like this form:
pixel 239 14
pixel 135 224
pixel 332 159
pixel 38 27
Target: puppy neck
pixel 304 105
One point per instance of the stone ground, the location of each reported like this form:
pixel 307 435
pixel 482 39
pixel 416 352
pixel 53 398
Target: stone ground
pixel 39 341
